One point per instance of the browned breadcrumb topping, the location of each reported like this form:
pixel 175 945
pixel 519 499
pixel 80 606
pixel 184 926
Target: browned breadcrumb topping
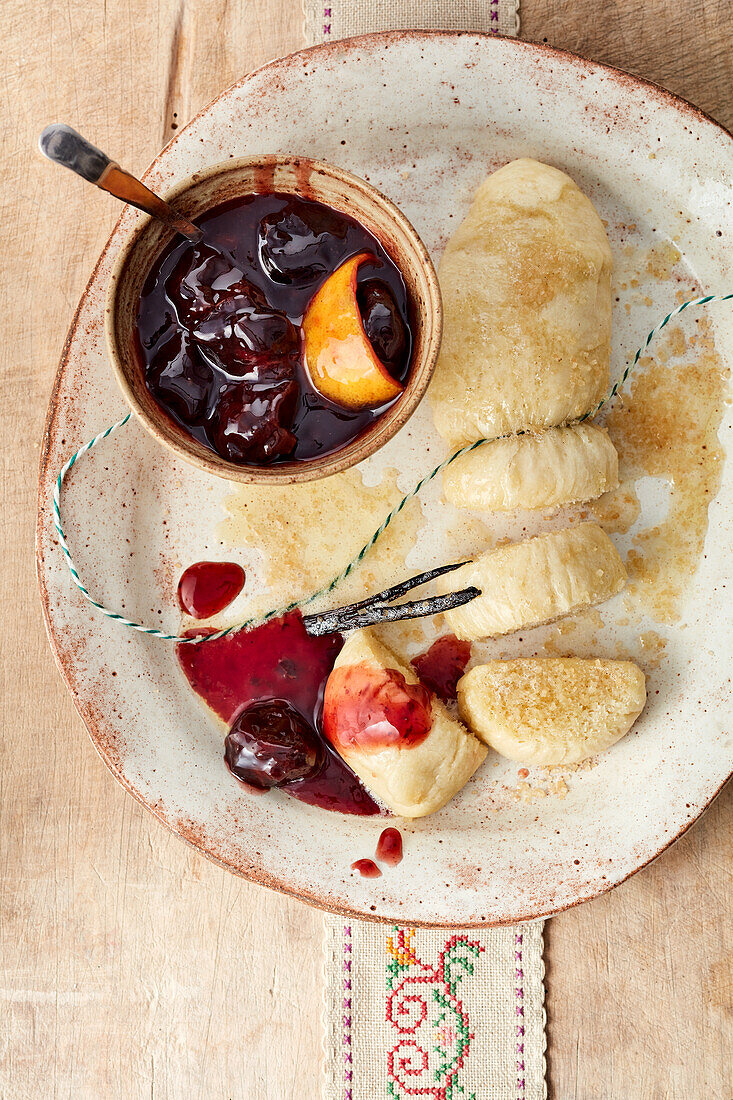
pixel 526 792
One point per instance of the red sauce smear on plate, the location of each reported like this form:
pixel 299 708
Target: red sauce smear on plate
pixel 367 868
pixel 278 660
pixel 373 708
pixel 442 666
pixel 207 587
pixel 389 847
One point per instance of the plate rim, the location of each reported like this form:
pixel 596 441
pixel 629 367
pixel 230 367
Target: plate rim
pixel 94 723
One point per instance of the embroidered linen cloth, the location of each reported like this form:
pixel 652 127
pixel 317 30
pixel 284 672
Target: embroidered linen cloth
pixel 327 20
pixel 442 1014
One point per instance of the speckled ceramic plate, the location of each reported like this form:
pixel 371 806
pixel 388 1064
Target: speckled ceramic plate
pixel 424 117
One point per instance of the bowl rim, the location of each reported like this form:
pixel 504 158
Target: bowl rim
pixel 96 723
pixel 367 442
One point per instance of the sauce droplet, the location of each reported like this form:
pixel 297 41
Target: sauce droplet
pixel 389 847
pixel 371 708
pixel 367 868
pixel 207 587
pixel 442 666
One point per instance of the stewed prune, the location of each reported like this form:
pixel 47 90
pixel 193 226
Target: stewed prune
pixel 253 423
pixel 202 276
pixel 244 338
pixel 301 243
pixel 383 323
pixel 180 380
pixel 270 744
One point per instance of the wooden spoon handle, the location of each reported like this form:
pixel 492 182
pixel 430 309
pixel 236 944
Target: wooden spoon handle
pixel 63 145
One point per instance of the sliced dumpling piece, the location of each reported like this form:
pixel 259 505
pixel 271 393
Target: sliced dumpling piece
pixel 526 285
pixel 401 741
pixel 554 710
pixel 558 466
pixel 535 581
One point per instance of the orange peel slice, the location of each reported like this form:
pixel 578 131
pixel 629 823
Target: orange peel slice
pixel 339 357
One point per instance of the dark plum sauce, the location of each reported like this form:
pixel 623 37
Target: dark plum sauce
pixel 267 685
pixel 219 328
pixel 442 666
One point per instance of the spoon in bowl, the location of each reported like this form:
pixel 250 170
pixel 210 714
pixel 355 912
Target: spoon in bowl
pixel 63 145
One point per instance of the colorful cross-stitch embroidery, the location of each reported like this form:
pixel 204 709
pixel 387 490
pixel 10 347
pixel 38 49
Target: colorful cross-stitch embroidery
pixel 432 1023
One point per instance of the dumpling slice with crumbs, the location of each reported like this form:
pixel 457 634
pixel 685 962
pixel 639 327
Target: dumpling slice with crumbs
pixel 552 710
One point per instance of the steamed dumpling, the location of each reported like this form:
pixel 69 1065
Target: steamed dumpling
pixel 413 766
pixel 557 466
pixel 534 581
pixel 526 285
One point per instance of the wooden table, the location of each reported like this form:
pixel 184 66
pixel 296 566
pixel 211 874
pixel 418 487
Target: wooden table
pixel 131 966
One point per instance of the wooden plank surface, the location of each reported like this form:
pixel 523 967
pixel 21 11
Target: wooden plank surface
pixel 131 967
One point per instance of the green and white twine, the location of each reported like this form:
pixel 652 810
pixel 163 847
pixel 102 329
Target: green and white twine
pixel 277 612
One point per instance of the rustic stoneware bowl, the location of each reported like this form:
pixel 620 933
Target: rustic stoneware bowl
pixel 311 180
pixel 136 514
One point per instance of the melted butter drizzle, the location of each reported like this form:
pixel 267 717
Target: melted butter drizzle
pixel 666 426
